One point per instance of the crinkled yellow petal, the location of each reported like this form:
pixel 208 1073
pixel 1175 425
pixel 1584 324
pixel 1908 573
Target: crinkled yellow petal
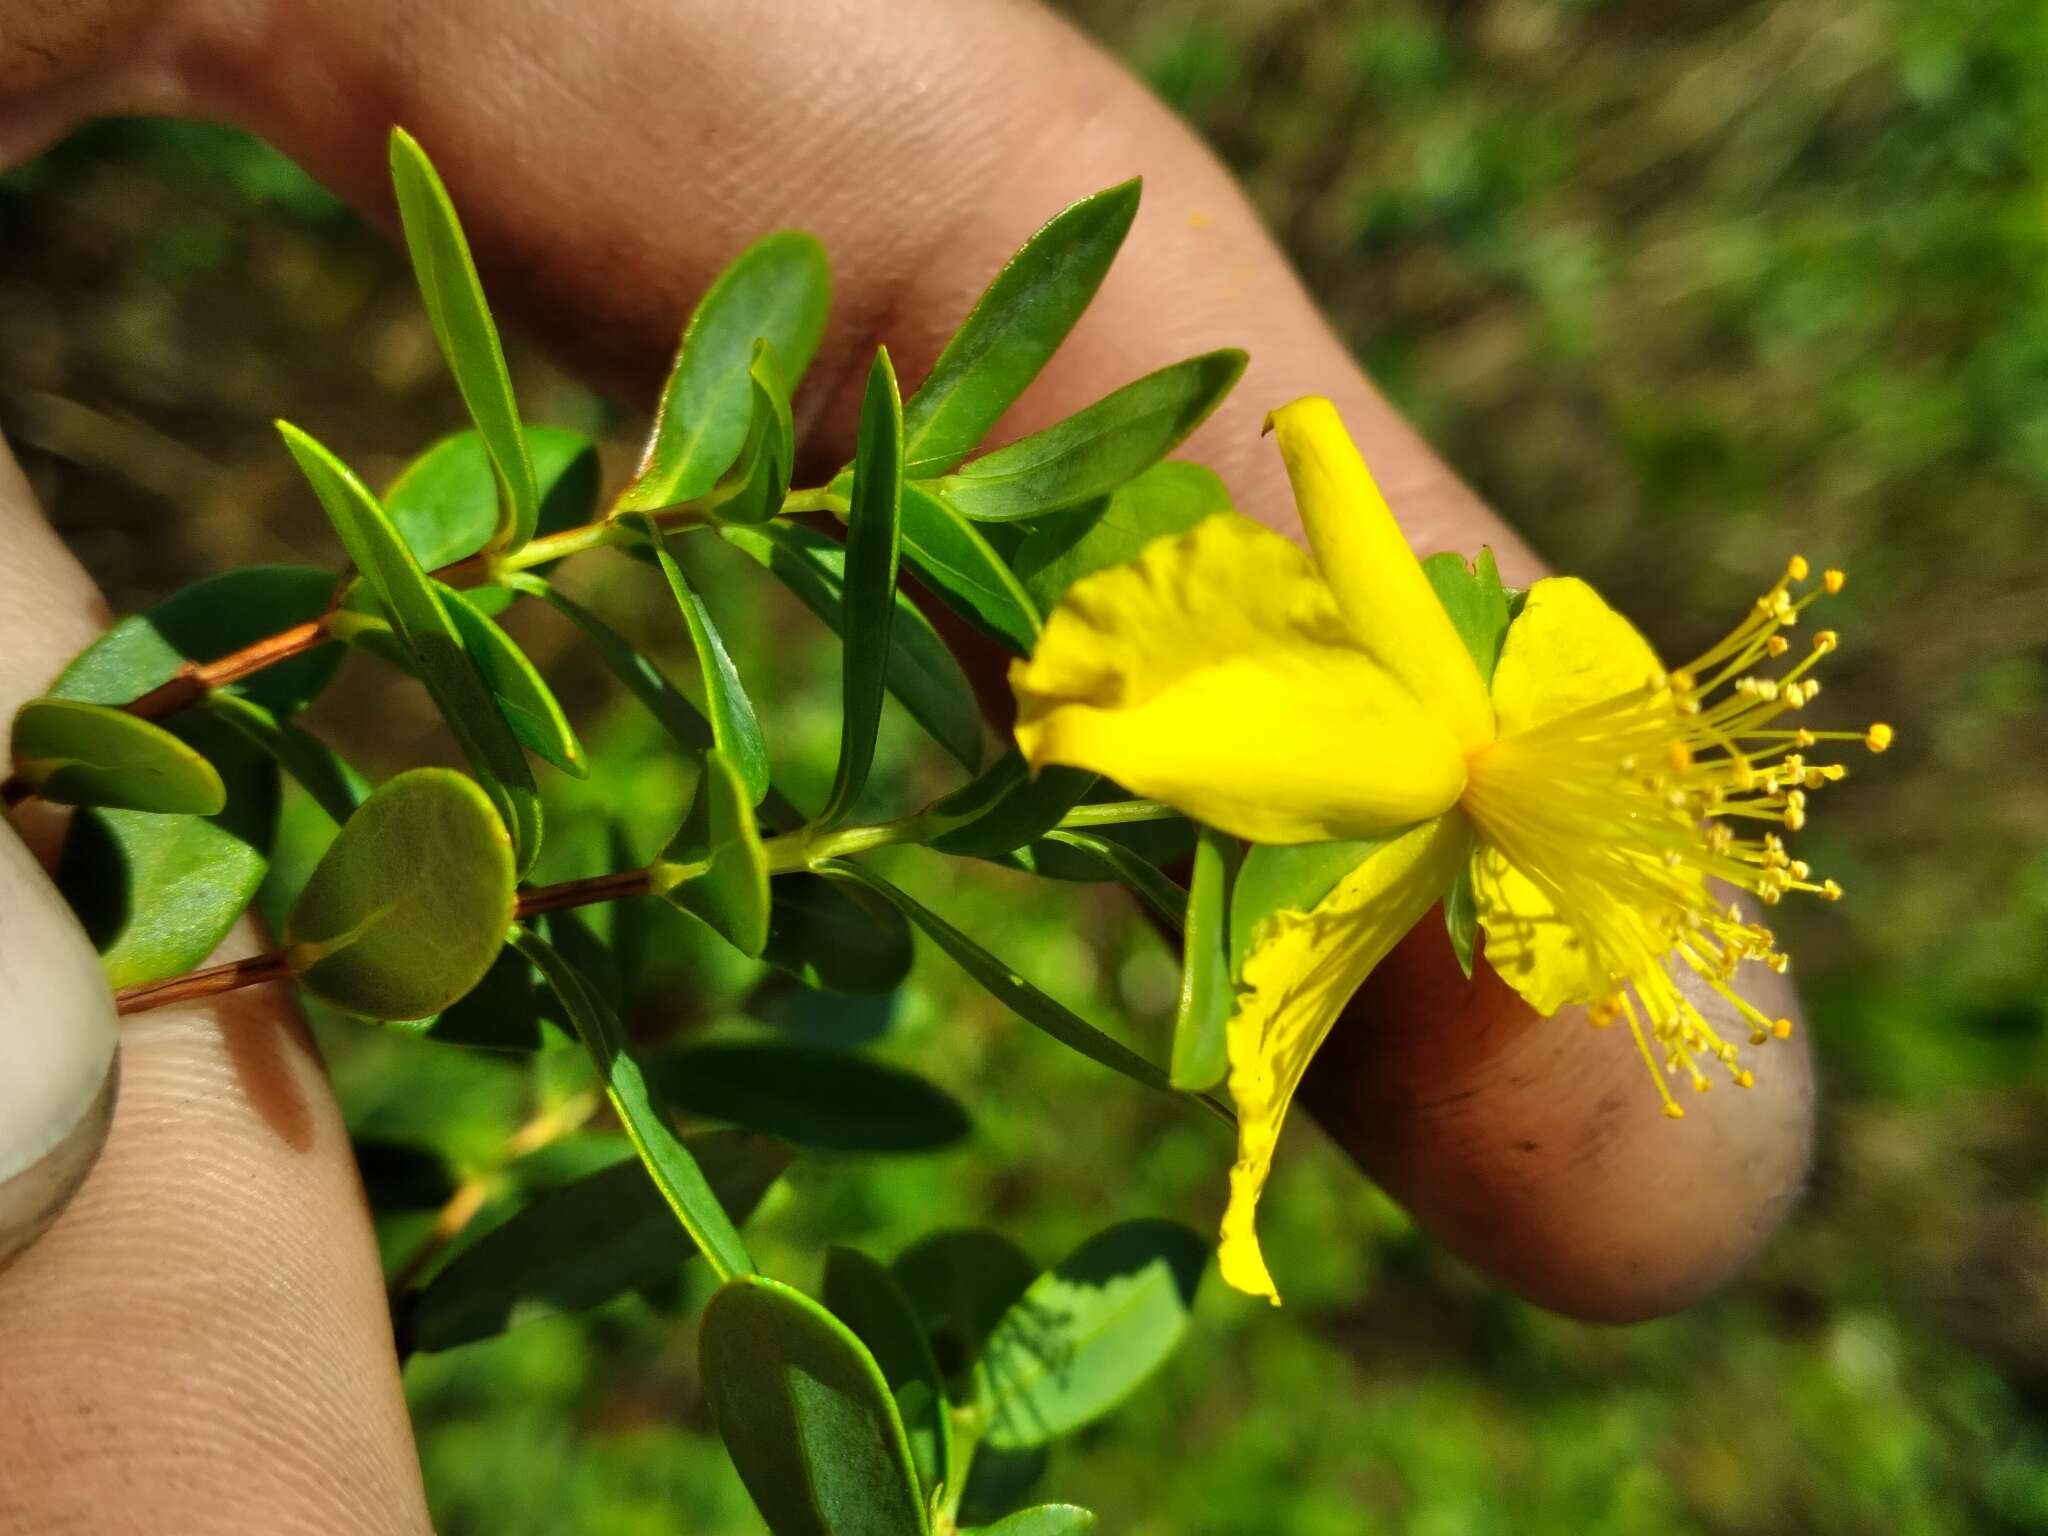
pixel 1527 943
pixel 1302 970
pixel 1215 673
pixel 1378 582
pixel 1565 650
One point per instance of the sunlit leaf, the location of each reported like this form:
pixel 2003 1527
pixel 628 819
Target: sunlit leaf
pixel 89 754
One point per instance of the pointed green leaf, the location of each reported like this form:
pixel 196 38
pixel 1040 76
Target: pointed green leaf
pixel 1206 993
pixel 778 290
pixel 837 1100
pixel 734 725
pixel 958 564
pixel 336 787
pixel 1013 329
pixel 203 622
pixel 1476 601
pixel 864 1296
pixel 921 672
pixel 1137 874
pixel 641 677
pixel 1089 1332
pixel 1166 499
pixel 445 502
pixel 718 856
pixel 1461 917
pixel 1094 452
pixel 410 904
pixel 834 937
pixel 89 754
pixel 582 1243
pixel 158 893
pixel 688 1194
pixel 416 614
pixel 523 697
pixel 1004 807
pixel 806 1416
pixel 873 550
pixel 1030 1004
pixel 1043 1520
pixel 454 297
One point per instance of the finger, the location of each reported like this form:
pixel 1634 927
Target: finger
pixel 607 166
pixel 200 1343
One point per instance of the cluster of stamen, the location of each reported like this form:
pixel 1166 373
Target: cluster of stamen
pixel 1631 815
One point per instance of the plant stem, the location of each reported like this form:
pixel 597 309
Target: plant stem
pixel 210 982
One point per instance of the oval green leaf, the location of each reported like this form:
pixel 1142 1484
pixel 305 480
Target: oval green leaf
pixel 1043 1520
pixel 445 502
pixel 1092 453
pixel 961 1283
pixel 863 1295
pixel 579 1244
pixel 957 563
pixel 778 290
pixel 806 1416
pixel 874 543
pixel 837 1100
pixel 1166 499
pixel 454 296
pixel 1014 329
pixel 89 754
pixel 1089 1331
pixel 416 614
pixel 410 904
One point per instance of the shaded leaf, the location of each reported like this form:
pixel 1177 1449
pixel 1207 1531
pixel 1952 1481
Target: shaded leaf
pixel 1005 807
pixel 1127 867
pixel 837 1100
pixel 958 564
pixel 523 697
pixel 1093 452
pixel 864 1296
pixel 835 937
pixel 579 1244
pixel 336 787
pixel 716 859
pixel 960 1283
pixel 454 297
pixel 90 754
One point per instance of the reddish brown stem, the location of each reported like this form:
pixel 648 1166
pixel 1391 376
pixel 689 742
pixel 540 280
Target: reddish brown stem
pixel 211 982
pixel 584 893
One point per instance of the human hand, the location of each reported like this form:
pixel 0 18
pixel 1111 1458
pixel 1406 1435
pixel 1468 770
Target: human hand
pixel 608 158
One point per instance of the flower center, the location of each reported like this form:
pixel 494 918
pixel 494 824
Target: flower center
pixel 1634 817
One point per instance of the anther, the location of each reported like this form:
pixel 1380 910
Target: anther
pixel 1833 579
pixel 1796 568
pixel 1878 738
pixel 1826 641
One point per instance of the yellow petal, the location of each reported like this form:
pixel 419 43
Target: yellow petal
pixel 1377 580
pixel 1527 943
pixel 1302 970
pixel 1215 673
pixel 1565 650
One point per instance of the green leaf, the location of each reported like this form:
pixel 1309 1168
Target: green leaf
pixel 716 862
pixel 960 1284
pixel 454 297
pixel 863 1295
pixel 1206 993
pixel 1166 499
pixel 580 1244
pixel 445 502
pixel 873 549
pixel 1137 874
pixel 813 1097
pixel 778 290
pixel 527 703
pixel 1005 807
pixel 89 754
pixel 668 1161
pixel 834 937
pixel 1043 1520
pixel 1092 453
pixel 734 725
pixel 158 893
pixel 752 491
pixel 1089 1331
pixel 685 725
pixel 321 772
pixel 1032 1005
pixel 921 672
pixel 409 905
pixel 415 612
pixel 1461 917
pixel 958 564
pixel 1477 603
pixel 1290 878
pixel 203 622
pixel 1013 329
pixel 806 1416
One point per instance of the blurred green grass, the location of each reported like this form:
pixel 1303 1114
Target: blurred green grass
pixel 1679 287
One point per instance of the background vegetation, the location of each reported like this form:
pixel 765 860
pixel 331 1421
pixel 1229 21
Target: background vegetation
pixel 1679 286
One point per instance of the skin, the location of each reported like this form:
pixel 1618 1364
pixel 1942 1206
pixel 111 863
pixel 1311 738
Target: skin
pixel 200 1343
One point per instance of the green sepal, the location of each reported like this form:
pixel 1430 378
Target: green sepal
pixel 1206 993
pixel 1477 603
pixel 1461 917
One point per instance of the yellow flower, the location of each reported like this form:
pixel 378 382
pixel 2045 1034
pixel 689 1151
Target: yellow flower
pixel 1594 796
